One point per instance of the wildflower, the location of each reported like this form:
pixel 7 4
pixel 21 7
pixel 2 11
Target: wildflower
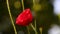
pixel 24 18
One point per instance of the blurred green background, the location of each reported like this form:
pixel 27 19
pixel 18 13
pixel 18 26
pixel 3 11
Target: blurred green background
pixel 43 13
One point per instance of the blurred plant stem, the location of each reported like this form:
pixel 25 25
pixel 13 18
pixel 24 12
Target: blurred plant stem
pixel 59 18
pixel 40 29
pixel 35 19
pixel 22 4
pixel 31 23
pixel 28 29
pixel 33 2
pixel 23 10
pixel 35 27
pixel 11 17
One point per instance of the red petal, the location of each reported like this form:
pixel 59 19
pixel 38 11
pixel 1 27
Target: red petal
pixel 24 18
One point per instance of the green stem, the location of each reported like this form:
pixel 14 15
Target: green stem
pixel 22 4
pixel 30 24
pixel 33 2
pixel 35 19
pixel 59 17
pixel 11 17
pixel 28 29
pixel 35 27
pixel 40 29
pixel 23 10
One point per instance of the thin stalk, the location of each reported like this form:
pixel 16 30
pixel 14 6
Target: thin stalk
pixel 33 2
pixel 28 29
pixel 22 4
pixel 59 18
pixel 11 17
pixel 40 29
pixel 35 19
pixel 35 27
pixel 23 10
pixel 31 23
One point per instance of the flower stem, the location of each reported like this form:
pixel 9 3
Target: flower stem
pixel 35 18
pixel 33 2
pixel 59 18
pixel 35 27
pixel 22 4
pixel 11 17
pixel 23 10
pixel 40 29
pixel 31 23
pixel 28 29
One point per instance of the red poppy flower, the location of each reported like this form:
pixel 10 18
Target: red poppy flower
pixel 24 18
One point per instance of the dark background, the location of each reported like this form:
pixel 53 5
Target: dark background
pixel 44 17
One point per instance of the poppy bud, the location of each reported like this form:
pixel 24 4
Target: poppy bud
pixel 24 18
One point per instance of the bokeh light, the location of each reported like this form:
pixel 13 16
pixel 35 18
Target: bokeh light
pixel 17 4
